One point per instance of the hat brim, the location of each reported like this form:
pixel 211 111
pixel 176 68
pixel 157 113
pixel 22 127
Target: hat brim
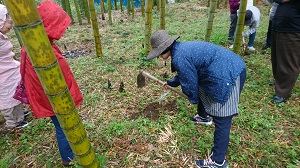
pixel 155 52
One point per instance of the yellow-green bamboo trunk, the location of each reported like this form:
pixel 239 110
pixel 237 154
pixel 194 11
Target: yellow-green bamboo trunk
pixel 63 5
pixel 240 26
pixel 143 8
pixel 132 8
pixel 148 25
pixel 158 5
pixel 208 3
pixel 86 11
pixel 128 8
pixel 212 11
pixel 68 7
pixel 116 6
pixel 102 9
pixel 95 28
pixel 33 35
pixel 121 5
pixel 109 11
pixel 77 12
pixel 163 14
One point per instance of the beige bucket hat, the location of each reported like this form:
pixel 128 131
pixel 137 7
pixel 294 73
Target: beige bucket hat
pixel 160 41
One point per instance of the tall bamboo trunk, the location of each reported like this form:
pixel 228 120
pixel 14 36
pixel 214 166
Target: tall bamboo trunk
pixel 240 26
pixel 212 11
pixel 102 9
pixel 121 5
pixel 109 11
pixel 95 28
pixel 143 8
pixel 128 8
pixel 148 25
pixel 132 8
pixel 163 14
pixel 33 35
pixel 86 11
pixel 116 6
pixel 68 7
pixel 63 5
pixel 78 11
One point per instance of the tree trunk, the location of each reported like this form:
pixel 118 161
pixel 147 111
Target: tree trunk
pixel 132 9
pixel 68 7
pixel 148 25
pixel 102 9
pixel 78 12
pixel 128 8
pixel 116 6
pixel 121 5
pixel 63 5
pixel 240 26
pixel 31 30
pixel 163 14
pixel 109 12
pixel 210 21
pixel 95 28
pixel 143 8
pixel 86 9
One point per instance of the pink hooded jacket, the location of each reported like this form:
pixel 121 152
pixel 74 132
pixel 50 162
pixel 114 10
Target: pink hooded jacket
pixel 9 68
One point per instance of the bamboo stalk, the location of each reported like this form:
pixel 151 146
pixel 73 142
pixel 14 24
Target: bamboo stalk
pixel 121 5
pixel 77 12
pixel 68 7
pixel 212 11
pixel 240 26
pixel 102 9
pixel 163 14
pixel 95 29
pixel 132 8
pixel 143 8
pixel 109 12
pixel 148 25
pixel 33 35
pixel 86 11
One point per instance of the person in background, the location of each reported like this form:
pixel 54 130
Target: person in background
pixel 252 19
pixel 285 56
pixel 11 109
pixel 234 6
pixel 212 77
pixel 55 21
pixel 269 33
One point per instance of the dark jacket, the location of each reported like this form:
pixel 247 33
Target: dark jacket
pixel 234 6
pixel 287 16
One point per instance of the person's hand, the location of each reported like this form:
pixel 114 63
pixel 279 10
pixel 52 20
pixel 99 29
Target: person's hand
pixel 165 85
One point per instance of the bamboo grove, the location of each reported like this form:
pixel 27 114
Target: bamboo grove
pixel 31 34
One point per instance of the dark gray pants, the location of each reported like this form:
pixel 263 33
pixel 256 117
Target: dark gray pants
pixel 285 57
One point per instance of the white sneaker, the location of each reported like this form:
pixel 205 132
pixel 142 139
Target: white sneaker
pixel 251 48
pixel 231 46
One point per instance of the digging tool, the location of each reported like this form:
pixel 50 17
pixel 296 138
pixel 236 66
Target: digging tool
pixel 141 82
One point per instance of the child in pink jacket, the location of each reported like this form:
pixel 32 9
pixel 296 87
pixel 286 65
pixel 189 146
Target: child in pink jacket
pixel 10 108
